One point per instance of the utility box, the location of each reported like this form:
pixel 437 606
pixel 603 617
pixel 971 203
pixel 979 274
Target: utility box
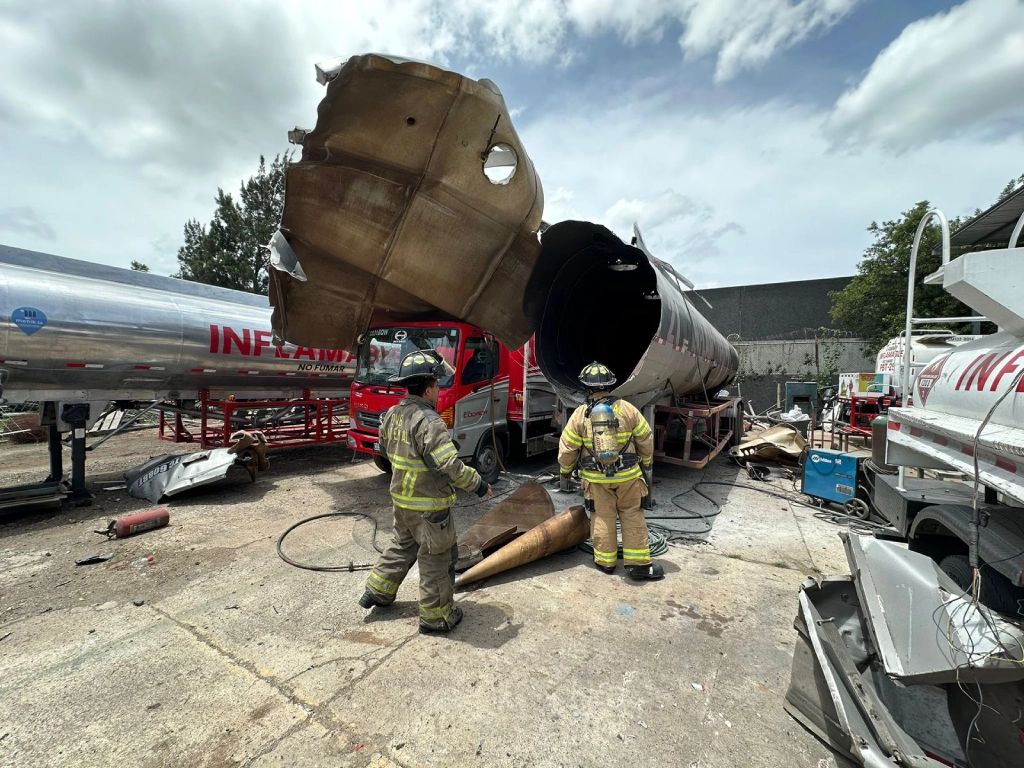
pixel 830 475
pixel 804 394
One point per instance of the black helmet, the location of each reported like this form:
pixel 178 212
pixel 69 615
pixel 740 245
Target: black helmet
pixel 422 364
pixel 597 376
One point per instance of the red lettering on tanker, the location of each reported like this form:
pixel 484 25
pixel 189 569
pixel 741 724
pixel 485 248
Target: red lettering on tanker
pixel 927 378
pixel 251 343
pixel 990 366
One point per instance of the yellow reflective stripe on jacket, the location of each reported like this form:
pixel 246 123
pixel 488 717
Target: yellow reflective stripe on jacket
pixel 408 464
pixel 641 429
pixel 605 558
pixel 646 461
pixel 567 470
pixel 572 438
pixel 445 452
pixel 465 481
pixel 624 476
pixel 422 503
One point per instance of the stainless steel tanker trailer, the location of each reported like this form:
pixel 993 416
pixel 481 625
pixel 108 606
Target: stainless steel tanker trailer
pixel 75 336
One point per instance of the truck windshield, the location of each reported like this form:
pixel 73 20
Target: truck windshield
pixel 382 350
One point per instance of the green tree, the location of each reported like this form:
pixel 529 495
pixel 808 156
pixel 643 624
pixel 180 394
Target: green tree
pixel 138 266
pixel 231 250
pixel 874 304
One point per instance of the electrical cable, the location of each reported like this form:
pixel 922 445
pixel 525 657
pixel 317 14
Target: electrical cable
pixel 329 568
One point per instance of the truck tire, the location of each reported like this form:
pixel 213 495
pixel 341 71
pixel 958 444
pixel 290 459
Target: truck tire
pixel 382 464
pixel 489 458
pixel 996 590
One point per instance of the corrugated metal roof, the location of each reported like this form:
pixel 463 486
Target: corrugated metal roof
pixel 992 227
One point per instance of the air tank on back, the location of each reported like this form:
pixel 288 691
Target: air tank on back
pixel 593 297
pixel 73 330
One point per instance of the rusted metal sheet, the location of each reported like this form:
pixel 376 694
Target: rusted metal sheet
pixel 392 215
pixel 524 510
pixel 564 530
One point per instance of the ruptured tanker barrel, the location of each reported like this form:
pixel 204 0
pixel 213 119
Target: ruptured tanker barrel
pixel 593 297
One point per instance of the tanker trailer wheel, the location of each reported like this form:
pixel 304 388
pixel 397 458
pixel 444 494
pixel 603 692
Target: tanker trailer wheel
pixel 996 590
pixel 489 458
pixel 382 464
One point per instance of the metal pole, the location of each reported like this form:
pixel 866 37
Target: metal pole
pixel 911 280
pixel 78 492
pixel 56 457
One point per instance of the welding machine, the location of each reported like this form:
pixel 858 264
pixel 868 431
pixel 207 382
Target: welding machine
pixel 830 475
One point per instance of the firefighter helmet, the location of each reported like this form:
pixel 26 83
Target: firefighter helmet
pixel 597 376
pixel 421 365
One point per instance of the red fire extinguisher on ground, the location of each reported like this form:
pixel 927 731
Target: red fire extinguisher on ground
pixel 137 523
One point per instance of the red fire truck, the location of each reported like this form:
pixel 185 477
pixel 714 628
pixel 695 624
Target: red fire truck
pixel 494 391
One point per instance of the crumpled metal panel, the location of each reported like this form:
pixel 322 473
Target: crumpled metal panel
pixel 780 442
pixel 389 214
pixel 922 623
pixel 834 694
pixel 566 529
pixel 167 475
pixel 524 510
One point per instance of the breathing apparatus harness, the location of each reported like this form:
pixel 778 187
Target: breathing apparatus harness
pixel 605 455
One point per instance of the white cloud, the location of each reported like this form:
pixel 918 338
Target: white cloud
pixel 954 72
pixel 753 195
pixel 22 219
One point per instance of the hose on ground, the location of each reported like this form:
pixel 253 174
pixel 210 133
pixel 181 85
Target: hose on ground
pixel 352 566
pixel 657 537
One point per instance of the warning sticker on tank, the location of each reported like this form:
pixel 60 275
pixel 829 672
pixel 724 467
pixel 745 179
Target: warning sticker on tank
pixel 28 319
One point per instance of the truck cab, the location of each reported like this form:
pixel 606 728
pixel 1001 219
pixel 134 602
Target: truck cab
pixel 491 400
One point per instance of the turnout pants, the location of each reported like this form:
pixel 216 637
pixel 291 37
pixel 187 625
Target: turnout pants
pixel 430 538
pixel 619 501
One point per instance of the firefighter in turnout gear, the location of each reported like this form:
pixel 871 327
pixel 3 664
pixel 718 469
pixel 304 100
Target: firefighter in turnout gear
pixel 612 443
pixel 426 470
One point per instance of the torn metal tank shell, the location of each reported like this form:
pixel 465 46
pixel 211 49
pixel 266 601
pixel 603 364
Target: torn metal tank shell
pixel 566 529
pixel 390 215
pixel 524 510
pixel 613 302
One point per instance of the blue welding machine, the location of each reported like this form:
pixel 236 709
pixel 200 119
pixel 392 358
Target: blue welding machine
pixel 830 475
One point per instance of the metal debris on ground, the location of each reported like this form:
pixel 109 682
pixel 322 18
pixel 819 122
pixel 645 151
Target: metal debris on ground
pixel 781 443
pixel 94 559
pixel 169 474
pixel 566 529
pixel 524 510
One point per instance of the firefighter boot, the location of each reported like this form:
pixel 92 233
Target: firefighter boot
pixel 609 569
pixel 651 571
pixel 442 625
pixel 369 599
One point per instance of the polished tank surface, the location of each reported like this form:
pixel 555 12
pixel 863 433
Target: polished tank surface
pixel 593 297
pixel 71 329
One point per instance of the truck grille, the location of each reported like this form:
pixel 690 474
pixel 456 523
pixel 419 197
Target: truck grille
pixel 368 420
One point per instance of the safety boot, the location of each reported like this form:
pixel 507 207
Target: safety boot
pixel 609 569
pixel 370 599
pixel 652 571
pixel 442 625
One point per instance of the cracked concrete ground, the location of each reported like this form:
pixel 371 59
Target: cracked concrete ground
pixel 233 658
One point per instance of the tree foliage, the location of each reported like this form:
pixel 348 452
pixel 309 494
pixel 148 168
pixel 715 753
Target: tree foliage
pixel 231 250
pixel 874 304
pixel 138 266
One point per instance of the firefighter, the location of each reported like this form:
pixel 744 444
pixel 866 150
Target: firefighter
pixel 611 441
pixel 425 472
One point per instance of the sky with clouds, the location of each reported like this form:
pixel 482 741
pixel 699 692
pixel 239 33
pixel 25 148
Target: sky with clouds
pixel 753 140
